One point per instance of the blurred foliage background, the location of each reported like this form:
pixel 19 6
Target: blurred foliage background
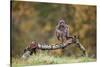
pixel 37 21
